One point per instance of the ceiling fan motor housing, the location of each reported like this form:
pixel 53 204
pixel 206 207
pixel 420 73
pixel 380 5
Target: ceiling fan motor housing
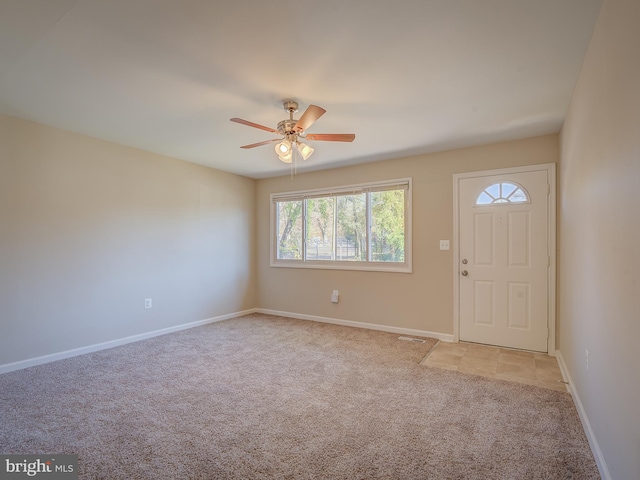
pixel 285 127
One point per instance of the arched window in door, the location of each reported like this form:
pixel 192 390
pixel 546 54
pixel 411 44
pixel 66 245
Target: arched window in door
pixel 503 192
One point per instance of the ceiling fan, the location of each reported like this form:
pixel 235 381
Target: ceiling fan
pixel 292 130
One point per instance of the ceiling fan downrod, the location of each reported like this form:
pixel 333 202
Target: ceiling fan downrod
pixel 287 127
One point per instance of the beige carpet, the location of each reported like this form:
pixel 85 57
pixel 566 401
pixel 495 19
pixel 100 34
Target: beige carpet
pixel 263 397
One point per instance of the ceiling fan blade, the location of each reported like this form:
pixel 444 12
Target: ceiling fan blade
pixel 261 143
pixel 332 137
pixel 310 115
pixel 254 125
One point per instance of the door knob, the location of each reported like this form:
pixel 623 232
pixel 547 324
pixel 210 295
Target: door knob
pixel 464 273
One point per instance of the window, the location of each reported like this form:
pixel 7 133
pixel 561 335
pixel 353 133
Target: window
pixel 356 227
pixel 503 192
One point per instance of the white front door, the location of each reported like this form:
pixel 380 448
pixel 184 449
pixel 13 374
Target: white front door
pixel 504 259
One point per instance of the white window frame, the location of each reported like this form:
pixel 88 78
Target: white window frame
pixel 399 267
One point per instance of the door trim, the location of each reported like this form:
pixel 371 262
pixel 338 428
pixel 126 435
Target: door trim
pixel 550 168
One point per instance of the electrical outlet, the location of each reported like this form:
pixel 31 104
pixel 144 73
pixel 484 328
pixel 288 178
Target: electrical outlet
pixel 444 244
pixel 586 358
pixel 148 303
pixel 334 296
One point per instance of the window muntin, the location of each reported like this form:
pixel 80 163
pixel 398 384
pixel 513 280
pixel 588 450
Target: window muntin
pixel 502 193
pixel 360 227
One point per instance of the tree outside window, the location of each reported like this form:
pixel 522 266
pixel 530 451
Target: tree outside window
pixel 366 225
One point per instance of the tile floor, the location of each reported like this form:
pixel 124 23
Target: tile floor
pixel 495 362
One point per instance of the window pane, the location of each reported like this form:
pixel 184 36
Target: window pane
pixel 501 193
pixel 518 196
pixel 493 190
pixel 320 228
pixel 289 218
pixel 351 235
pixel 387 226
pixel 507 189
pixel 484 199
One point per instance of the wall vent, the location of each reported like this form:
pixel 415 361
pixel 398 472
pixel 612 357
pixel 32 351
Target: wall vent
pixel 409 339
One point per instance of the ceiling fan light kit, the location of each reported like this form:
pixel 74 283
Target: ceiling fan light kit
pixel 293 130
pixel 305 150
pixel 284 151
pixel 283 147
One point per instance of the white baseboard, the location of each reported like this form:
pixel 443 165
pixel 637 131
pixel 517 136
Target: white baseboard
pixel 445 337
pixel 32 362
pixel 586 424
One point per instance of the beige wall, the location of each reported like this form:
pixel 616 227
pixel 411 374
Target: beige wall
pixel 89 229
pixel 422 300
pixel 599 219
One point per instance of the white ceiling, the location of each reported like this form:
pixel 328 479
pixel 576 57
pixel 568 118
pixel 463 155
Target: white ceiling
pixel 406 76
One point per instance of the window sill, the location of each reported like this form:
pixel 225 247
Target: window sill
pixel 368 267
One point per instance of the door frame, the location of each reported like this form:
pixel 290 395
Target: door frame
pixel 550 168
